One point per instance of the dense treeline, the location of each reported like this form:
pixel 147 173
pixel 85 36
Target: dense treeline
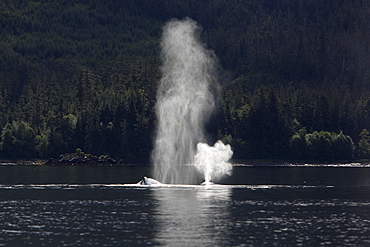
pixel 83 74
pixel 107 113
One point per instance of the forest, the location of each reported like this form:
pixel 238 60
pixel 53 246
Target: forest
pixel 78 74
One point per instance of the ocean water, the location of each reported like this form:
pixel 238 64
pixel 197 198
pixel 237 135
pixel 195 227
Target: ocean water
pixel 256 206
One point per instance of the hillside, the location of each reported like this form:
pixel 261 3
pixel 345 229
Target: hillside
pixel 83 74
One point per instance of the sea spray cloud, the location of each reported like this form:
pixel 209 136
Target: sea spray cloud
pixel 185 100
pixel 213 161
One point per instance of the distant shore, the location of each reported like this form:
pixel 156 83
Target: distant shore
pixel 236 163
pixel 266 162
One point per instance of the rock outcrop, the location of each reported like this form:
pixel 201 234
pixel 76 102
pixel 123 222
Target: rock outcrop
pixel 81 158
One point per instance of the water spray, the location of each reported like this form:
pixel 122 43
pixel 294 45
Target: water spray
pixel 185 100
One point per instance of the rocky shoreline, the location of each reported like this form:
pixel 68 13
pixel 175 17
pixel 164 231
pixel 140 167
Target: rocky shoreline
pixel 81 158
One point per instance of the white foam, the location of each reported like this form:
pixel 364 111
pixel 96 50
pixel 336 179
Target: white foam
pixel 213 161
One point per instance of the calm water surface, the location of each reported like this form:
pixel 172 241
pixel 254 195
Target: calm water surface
pixel 276 206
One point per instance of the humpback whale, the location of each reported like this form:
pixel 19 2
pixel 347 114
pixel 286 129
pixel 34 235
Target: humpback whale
pixel 148 181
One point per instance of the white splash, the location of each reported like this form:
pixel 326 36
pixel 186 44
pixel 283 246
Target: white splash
pixel 213 161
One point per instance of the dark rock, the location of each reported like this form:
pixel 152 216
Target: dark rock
pixel 80 158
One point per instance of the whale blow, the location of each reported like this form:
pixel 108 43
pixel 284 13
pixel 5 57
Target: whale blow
pixel 186 99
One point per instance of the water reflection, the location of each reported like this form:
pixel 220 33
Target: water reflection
pixel 192 216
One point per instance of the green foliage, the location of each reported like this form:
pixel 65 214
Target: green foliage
pixel 43 145
pixel 321 146
pixel 298 144
pixel 18 140
pixel 364 144
pixel 85 73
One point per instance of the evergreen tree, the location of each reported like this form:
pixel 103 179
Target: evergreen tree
pixel 364 144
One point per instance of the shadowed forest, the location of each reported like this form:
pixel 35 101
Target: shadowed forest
pixel 83 74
